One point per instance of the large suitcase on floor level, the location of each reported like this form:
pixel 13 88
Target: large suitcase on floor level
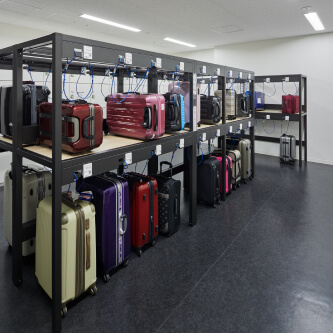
pixel 82 125
pixel 287 149
pixel 111 200
pixel 290 104
pixel 168 203
pixel 78 250
pixel 245 148
pixel 184 90
pixel 259 101
pixel 143 210
pixel 174 112
pixel 36 184
pixel 236 167
pixel 209 181
pixel 139 116
pixel 228 177
pixel 32 96
pixel 210 107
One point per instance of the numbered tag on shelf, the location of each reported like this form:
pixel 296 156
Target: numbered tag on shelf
pixel 181 143
pixel 230 129
pixel 158 150
pixel 128 58
pixel 218 72
pixel 87 52
pixel 218 133
pixel 128 158
pixel 158 62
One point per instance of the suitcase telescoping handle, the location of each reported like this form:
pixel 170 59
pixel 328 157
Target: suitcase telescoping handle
pixel 123 219
pixel 85 128
pixel 166 163
pixel 156 117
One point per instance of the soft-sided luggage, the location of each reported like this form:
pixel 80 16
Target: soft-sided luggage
pixel 210 109
pixel 36 184
pixel 290 104
pixel 168 202
pixel 111 200
pixel 82 125
pixel 245 148
pixel 140 116
pixel 228 177
pixel 78 250
pixel 287 149
pixel 209 181
pixel 236 167
pixel 174 112
pixel 143 210
pixel 259 101
pixel 32 96
pixel 183 88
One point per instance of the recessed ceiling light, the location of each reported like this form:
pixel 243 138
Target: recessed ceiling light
pixel 179 42
pixel 100 20
pixel 315 21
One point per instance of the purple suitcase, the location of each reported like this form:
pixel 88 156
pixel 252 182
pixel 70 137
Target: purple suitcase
pixel 111 200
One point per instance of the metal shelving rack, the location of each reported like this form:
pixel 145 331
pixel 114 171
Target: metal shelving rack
pixel 275 111
pixel 52 51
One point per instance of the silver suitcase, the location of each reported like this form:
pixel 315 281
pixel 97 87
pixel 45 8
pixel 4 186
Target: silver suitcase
pixel 287 149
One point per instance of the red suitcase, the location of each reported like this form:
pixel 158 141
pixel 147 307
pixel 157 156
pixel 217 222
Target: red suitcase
pixel 82 125
pixel 137 116
pixel 290 104
pixel 143 210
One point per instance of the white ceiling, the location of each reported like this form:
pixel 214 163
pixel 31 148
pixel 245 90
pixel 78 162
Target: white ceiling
pixel 205 23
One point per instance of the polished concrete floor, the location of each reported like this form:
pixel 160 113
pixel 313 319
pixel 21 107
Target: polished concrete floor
pixel 260 262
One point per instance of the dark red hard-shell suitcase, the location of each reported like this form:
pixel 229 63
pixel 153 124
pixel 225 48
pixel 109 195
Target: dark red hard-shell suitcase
pixel 143 210
pixel 82 126
pixel 290 104
pixel 140 116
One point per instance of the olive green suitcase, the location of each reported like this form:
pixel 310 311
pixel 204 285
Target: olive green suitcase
pixel 245 148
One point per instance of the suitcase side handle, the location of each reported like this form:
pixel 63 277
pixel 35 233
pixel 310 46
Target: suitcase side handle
pixel 85 128
pixel 147 117
pixel 156 117
pixel 166 163
pixel 123 219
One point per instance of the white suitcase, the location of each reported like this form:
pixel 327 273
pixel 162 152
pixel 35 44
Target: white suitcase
pixel 78 249
pixel 36 184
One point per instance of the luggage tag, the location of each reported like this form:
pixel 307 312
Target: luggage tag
pixel 86 196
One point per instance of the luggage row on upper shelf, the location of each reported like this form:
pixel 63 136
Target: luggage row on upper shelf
pixel 135 115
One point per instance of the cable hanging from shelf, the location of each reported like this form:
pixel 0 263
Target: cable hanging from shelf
pixel 263 88
pixel 64 80
pixel 113 76
pixel 289 94
pixel 91 90
pixel 263 126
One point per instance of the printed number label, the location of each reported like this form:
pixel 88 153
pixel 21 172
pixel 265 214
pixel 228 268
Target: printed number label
pixel 87 52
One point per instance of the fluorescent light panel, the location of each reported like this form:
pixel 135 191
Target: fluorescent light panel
pixel 178 42
pixel 100 20
pixel 315 21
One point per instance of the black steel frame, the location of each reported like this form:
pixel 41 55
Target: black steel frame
pixel 301 118
pixel 40 57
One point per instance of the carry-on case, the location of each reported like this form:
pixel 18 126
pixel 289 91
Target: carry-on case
pixel 78 249
pixel 245 148
pixel 210 107
pixel 290 104
pixel 259 101
pixel 184 90
pixel 174 112
pixel 36 184
pixel 287 149
pixel 230 102
pixel 82 125
pixel 143 210
pixel 168 202
pixel 111 200
pixel 228 177
pixel 209 180
pixel 139 116
pixel 236 167
pixel 243 105
pixel 32 96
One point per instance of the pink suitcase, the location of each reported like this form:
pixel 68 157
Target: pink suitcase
pixel 140 116
pixel 184 88
pixel 290 104
pixel 228 176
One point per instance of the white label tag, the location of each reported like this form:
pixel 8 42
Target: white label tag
pixel 268 80
pixel 181 66
pixel 287 79
pixel 87 52
pixel 268 117
pixel 286 118
pixel 218 72
pixel 158 62
pixel 128 158
pixel 218 133
pixel 249 76
pixel 181 143
pixel 230 129
pixel 87 170
pixel 128 58
pixel 249 124
pixel 162 106
pixel 158 150
pixel 240 75
pixel 203 137
pixel 259 100
pixel 230 74
pixel 204 69
pixel 240 126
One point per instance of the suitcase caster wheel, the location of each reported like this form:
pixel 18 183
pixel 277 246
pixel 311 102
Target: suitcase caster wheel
pixel 126 262
pixel 106 278
pixel 153 243
pixel 139 252
pixel 9 248
pixel 93 290
pixel 250 178
pixel 238 186
pixel 64 312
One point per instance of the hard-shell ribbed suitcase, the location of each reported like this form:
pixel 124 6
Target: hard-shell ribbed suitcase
pixel 184 90
pixel 143 210
pixel 208 177
pixel 36 184
pixel 231 102
pixel 82 125
pixel 236 167
pixel 32 96
pixel 287 149
pixel 228 178
pixel 290 104
pixel 210 107
pixel 78 250
pixel 168 203
pixel 111 200
pixel 174 112
pixel 259 101
pixel 245 148
pixel 140 116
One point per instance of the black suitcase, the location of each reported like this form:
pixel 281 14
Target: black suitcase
pixel 208 177
pixel 168 202
pixel 174 112
pixel 243 105
pixel 210 109
pixel 32 96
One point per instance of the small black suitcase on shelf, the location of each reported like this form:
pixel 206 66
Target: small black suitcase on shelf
pixel 210 109
pixel 168 202
pixel 208 177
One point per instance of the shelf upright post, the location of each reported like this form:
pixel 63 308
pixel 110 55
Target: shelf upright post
pixel 222 140
pixel 300 134
pixel 56 180
pixel 252 131
pixel 305 84
pixel 17 106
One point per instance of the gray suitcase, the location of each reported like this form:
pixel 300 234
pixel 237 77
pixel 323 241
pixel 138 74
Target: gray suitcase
pixel 287 149
pixel 230 102
pixel 245 148
pixel 236 167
